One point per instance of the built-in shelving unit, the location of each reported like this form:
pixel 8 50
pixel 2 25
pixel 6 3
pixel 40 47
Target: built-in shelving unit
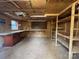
pixel 53 28
pixel 69 36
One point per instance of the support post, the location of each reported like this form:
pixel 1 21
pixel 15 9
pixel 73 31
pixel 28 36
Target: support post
pixel 71 31
pixel 65 27
pixel 56 30
pixel 51 29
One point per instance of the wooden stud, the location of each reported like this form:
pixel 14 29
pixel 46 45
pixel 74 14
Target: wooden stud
pixel 67 37
pixel 51 14
pixel 51 29
pixel 71 32
pixel 65 27
pixel 14 4
pixel 56 30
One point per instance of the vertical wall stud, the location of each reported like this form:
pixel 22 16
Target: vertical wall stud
pixel 71 31
pixel 56 30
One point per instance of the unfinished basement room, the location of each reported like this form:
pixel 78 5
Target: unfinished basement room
pixel 39 29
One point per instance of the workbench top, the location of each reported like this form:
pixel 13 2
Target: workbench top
pixel 11 32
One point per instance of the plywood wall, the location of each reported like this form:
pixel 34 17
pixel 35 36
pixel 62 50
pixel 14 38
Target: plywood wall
pixel 5 27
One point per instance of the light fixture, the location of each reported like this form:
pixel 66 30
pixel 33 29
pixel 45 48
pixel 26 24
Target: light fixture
pixel 20 14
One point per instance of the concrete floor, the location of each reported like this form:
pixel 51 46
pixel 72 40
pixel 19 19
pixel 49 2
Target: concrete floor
pixel 37 47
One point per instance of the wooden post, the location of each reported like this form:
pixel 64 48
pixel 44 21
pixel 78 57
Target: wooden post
pixel 51 29
pixel 65 27
pixel 56 30
pixel 71 31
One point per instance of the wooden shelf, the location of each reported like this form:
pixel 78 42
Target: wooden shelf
pixel 60 27
pixel 76 38
pixel 63 42
pixel 76 28
pixel 75 49
pixel 69 16
pixel 62 35
pixel 76 15
pixel 66 19
pixel 66 44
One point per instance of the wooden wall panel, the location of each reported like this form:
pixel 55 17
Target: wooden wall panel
pixel 6 26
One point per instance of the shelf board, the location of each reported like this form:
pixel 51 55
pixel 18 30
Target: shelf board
pixel 60 27
pixel 76 15
pixel 76 38
pixel 76 28
pixel 63 35
pixel 65 44
pixel 65 19
pixel 75 49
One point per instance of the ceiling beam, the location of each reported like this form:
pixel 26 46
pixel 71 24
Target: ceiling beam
pixel 9 10
pixel 37 20
pixel 14 4
pixel 51 14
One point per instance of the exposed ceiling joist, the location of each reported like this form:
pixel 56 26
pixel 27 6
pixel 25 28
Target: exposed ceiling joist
pixel 13 16
pixel 35 7
pixel 14 4
pixel 12 0
pixel 51 14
